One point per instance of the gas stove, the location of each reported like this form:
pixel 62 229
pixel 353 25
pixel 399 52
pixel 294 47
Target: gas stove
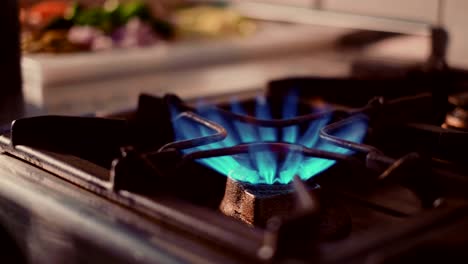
pixel 363 169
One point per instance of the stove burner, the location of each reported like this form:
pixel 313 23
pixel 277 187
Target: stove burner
pixel 458 117
pixel 200 147
pixel 152 173
pixel 256 204
pixel 263 165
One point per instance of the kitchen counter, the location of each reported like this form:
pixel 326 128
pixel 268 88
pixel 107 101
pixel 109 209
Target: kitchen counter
pixel 113 81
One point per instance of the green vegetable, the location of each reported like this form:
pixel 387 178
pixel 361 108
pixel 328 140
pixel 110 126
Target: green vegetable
pixel 107 19
pixel 132 9
pixel 96 17
pixel 73 11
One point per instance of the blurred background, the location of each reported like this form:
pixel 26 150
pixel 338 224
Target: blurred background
pixel 453 13
pixel 98 56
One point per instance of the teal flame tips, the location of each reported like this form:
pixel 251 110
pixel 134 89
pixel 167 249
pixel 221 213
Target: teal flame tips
pixel 263 166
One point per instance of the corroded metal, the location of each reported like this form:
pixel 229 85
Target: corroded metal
pixel 256 204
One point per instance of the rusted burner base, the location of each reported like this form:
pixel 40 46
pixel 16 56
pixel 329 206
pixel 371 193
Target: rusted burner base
pixel 255 204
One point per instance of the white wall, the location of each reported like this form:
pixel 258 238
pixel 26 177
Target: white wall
pixel 455 18
pixel 421 10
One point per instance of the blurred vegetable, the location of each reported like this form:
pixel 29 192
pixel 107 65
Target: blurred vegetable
pixel 211 21
pixel 62 26
pixel 132 9
pixel 135 33
pixel 84 35
pixel 96 17
pixel 51 41
pixel 111 15
pixel 73 11
pixel 43 12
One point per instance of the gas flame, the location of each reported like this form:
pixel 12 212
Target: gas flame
pixel 265 167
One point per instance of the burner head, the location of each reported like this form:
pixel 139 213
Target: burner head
pixel 255 204
pixel 458 118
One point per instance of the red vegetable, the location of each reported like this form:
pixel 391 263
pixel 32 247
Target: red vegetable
pixel 43 12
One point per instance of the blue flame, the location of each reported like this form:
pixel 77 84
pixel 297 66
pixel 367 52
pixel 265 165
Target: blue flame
pixel 264 167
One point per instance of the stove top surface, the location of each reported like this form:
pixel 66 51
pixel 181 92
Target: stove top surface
pixel 360 170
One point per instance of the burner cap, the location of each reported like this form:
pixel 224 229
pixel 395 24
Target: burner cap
pixel 458 118
pixel 256 204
